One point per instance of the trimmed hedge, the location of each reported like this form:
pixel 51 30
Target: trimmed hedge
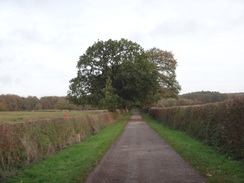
pixel 220 125
pixel 22 143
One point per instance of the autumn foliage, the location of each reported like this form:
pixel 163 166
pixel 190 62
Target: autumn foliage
pixel 220 125
pixel 16 103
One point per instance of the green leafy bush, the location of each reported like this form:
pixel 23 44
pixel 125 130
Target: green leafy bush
pixel 220 125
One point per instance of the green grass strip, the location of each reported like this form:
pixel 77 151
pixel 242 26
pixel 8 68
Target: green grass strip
pixel 76 162
pixel 212 165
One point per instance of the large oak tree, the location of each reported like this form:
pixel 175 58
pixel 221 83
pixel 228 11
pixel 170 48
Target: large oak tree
pixel 116 74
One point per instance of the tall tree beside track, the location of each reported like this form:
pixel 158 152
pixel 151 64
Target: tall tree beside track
pixel 120 71
pixel 166 66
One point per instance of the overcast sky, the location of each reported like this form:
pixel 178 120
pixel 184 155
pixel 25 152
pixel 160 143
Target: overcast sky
pixel 41 40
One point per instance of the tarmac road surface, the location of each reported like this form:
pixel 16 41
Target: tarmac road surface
pixel 142 156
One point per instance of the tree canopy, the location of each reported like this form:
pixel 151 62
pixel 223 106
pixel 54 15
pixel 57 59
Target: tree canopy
pixel 120 74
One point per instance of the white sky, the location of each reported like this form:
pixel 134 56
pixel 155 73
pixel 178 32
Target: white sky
pixel 41 40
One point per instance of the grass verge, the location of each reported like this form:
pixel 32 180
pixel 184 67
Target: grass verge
pixel 212 165
pixel 76 162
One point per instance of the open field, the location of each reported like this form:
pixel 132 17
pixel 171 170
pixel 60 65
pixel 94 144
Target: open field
pixel 34 115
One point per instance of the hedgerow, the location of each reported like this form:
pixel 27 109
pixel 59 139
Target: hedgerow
pixel 220 125
pixel 22 143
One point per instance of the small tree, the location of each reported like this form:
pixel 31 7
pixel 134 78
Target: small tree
pixel 110 100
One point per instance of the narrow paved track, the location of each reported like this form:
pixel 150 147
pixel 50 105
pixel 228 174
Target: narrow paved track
pixel 141 156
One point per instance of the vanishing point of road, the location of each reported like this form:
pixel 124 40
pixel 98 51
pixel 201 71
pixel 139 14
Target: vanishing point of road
pixel 142 156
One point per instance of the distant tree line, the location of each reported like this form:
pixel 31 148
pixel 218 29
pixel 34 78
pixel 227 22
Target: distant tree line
pixel 201 97
pixel 17 103
pixel 210 97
